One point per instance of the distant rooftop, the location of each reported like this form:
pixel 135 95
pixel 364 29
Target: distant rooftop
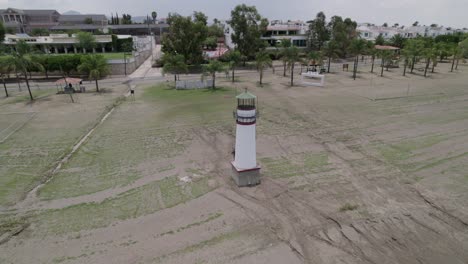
pixel 80 18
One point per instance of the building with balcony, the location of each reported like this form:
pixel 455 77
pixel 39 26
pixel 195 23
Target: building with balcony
pixel 295 31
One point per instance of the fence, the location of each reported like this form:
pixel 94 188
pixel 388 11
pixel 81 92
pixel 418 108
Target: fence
pixel 118 67
pixel 191 84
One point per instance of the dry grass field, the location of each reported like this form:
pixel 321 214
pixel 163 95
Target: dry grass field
pixel 366 171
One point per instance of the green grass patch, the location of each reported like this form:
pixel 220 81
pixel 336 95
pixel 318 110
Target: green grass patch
pixel 11 223
pixel 400 153
pixel 109 160
pixel 280 167
pixel 31 152
pixel 299 164
pixel 131 204
pixel 206 243
pixel 198 106
pixel 210 218
pixel 348 207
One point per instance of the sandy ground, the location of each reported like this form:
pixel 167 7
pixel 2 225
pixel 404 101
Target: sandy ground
pixel 365 171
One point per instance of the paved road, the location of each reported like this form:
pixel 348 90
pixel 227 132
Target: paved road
pixel 146 70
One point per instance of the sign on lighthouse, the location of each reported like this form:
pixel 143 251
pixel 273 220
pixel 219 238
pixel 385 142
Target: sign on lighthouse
pixel 245 170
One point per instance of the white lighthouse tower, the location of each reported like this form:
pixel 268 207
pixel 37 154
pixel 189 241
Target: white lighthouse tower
pixel 245 170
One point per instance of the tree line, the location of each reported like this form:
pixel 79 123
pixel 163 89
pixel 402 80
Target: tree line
pixel 326 40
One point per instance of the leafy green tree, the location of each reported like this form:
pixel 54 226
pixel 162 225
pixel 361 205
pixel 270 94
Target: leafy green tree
pixel 2 32
pixel 397 41
pixel 262 61
pixel 464 48
pixel 174 64
pixel 380 40
pixel 415 24
pixel 248 26
pixel 20 61
pixel 210 43
pixel 293 56
pixel 318 32
pixel 44 61
pixel 357 47
pixel 126 19
pixel 234 58
pixel 215 30
pixel 95 66
pixel 65 63
pixel 343 32
pixel 285 45
pixel 86 41
pixel 331 51
pixel 186 37
pixel 212 68
pixel 385 24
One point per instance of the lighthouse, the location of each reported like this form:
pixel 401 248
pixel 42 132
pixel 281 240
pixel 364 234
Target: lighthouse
pixel 245 170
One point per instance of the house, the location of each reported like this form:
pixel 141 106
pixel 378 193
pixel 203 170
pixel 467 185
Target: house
pixel 295 31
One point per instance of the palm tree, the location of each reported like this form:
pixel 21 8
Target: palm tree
pixel 455 51
pixel 435 55
pixel 397 41
pixel 95 66
pixel 293 56
pixel 21 62
pixel 357 47
pixel 385 55
pixel 234 58
pixel 213 67
pixel 370 50
pixel 3 71
pixel 285 45
pixel 314 58
pixel 428 54
pixel 406 59
pixel 331 50
pixel 174 64
pixel 263 61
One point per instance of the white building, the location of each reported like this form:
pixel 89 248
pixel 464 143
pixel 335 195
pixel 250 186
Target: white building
pixel 58 43
pixel 295 31
pixel 371 32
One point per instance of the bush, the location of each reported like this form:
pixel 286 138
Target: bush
pixel 348 207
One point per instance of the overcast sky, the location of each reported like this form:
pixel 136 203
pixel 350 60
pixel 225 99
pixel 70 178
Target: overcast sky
pixel 442 12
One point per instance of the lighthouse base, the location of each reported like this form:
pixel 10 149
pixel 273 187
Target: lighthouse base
pixel 243 178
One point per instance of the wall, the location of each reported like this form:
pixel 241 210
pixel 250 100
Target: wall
pixel 195 84
pixel 118 66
